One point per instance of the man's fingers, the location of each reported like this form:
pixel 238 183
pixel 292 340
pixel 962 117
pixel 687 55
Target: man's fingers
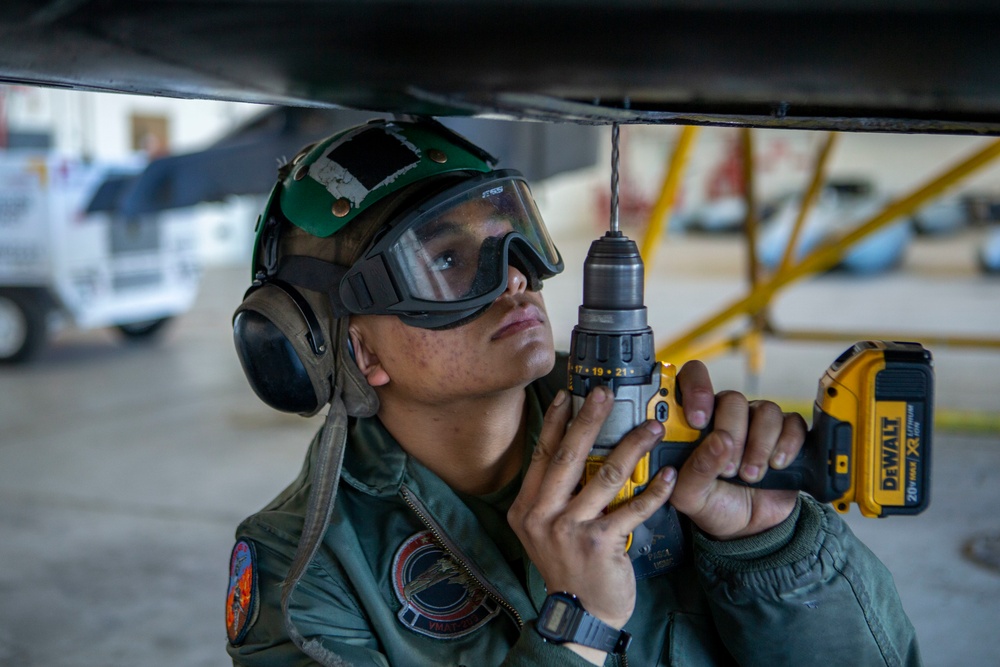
pixel 732 415
pixel 773 440
pixel 624 519
pixel 628 517
pixel 698 397
pixel 553 427
pixel 793 436
pixel 766 424
pixel 700 474
pixel 617 469
pixel 566 457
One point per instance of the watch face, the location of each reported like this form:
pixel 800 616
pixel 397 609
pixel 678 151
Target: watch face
pixel 556 620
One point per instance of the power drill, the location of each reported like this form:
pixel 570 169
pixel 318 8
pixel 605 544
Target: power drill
pixel 870 441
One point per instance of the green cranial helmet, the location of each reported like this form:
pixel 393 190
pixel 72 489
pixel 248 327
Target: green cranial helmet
pixel 402 218
pixel 336 179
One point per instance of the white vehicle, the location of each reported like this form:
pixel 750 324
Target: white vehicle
pixel 839 208
pixel 989 253
pixel 66 256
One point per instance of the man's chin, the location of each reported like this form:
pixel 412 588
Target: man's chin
pixel 541 362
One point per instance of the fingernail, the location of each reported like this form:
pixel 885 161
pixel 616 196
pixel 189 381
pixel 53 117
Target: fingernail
pixel 654 427
pixel 778 460
pixel 698 419
pixel 669 475
pixel 751 472
pixel 560 398
pixel 600 394
pixel 730 469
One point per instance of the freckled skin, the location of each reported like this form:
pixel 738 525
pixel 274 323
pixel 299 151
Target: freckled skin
pixel 435 367
pixel 454 398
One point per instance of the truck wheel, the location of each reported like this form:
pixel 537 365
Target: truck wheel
pixel 22 327
pixel 145 330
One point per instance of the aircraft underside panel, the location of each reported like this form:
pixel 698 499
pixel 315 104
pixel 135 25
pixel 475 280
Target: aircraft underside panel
pixel 917 66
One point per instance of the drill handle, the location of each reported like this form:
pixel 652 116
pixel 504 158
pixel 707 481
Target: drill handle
pixel 821 468
pixel 808 472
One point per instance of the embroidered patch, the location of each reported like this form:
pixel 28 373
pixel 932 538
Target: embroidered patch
pixel 439 598
pixel 241 600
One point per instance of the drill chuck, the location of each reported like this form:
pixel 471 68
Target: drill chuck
pixel 613 275
pixel 612 344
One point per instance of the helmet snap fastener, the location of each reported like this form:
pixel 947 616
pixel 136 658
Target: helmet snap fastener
pixel 341 207
pixel 301 172
pixel 437 156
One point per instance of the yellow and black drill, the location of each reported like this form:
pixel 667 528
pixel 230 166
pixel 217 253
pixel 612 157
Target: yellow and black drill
pixel 870 440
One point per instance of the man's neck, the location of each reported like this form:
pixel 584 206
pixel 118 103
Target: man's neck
pixel 476 445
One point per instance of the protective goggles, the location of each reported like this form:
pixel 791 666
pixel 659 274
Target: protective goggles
pixel 446 260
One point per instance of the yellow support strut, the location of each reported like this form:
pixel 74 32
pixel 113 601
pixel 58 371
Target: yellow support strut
pixel 660 213
pixel 828 255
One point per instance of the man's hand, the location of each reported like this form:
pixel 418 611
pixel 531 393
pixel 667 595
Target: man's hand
pixel 746 439
pixel 579 547
pixel 574 543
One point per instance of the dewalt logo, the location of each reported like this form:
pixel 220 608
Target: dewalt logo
pixel 890 454
pixel 890 419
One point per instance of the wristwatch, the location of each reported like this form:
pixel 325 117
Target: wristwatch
pixel 563 619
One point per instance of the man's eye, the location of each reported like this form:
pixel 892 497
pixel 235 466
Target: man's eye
pixel 445 260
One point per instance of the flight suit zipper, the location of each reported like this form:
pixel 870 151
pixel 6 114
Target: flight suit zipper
pixel 418 508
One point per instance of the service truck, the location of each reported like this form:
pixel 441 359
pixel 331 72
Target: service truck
pixel 68 257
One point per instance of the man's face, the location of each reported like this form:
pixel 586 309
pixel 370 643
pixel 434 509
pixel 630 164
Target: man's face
pixel 455 254
pixel 508 346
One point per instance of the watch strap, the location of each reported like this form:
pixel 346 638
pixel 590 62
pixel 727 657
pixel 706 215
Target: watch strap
pixel 595 633
pixel 563 619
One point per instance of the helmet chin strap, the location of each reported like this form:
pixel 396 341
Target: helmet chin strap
pixel 325 463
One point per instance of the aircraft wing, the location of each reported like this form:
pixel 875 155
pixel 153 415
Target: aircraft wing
pixel 894 65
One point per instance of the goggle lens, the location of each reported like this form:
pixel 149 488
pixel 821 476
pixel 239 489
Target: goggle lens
pixel 453 252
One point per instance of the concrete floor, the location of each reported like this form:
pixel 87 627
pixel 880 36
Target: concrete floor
pixel 124 469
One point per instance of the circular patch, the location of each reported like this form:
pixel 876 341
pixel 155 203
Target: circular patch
pixel 439 597
pixel 241 600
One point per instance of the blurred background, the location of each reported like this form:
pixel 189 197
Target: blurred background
pixel 131 445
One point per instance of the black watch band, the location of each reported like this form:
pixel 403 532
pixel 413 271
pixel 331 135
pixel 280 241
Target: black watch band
pixel 563 619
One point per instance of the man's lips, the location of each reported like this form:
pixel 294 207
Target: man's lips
pixel 519 319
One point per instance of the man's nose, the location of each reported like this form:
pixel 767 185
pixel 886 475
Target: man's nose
pixel 517 282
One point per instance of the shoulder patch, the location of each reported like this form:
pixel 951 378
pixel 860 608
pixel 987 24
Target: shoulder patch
pixel 440 599
pixel 241 599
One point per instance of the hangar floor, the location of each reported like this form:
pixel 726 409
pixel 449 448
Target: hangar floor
pixel 124 469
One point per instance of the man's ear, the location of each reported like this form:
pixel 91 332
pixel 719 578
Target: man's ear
pixel 366 359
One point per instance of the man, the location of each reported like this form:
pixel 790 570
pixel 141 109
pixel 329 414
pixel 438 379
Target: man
pixel 438 518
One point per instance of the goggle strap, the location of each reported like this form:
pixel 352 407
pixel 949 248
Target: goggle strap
pixel 316 275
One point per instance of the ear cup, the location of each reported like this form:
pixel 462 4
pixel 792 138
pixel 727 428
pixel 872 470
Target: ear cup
pixel 282 349
pixel 271 364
